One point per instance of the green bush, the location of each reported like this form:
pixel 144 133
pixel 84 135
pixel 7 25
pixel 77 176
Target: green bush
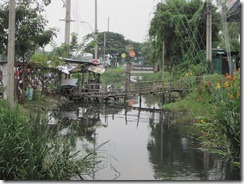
pixel 29 151
pixel 213 106
pixel 221 131
pixel 113 76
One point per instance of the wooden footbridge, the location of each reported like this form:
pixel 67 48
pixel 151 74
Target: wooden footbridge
pixel 104 92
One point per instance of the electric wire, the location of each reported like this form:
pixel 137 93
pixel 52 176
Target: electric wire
pixel 194 36
pixel 189 36
pixel 186 45
pixel 189 51
pixel 200 36
pixel 226 36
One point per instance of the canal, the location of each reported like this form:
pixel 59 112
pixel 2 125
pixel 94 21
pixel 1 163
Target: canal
pixel 139 143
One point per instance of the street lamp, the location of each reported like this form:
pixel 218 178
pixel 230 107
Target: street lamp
pixel 94 31
pixel 96 47
pixel 94 36
pixel 87 24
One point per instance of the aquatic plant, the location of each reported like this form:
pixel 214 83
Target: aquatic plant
pixel 28 151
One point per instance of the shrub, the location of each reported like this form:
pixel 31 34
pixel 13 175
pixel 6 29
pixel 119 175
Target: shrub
pixel 28 151
pixel 221 132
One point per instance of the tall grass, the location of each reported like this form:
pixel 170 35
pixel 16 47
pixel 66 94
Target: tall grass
pixel 28 151
pixel 213 106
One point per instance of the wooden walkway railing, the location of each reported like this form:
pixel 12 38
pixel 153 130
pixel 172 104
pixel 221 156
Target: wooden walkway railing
pixel 104 91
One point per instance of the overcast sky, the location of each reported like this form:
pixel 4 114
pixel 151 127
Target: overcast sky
pixel 130 18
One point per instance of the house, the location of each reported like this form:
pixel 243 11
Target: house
pixel 220 61
pixel 90 70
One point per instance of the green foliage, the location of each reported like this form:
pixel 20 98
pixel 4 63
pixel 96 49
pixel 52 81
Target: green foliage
pixel 39 58
pixel 115 42
pixel 220 129
pixel 88 43
pixel 226 117
pixel 115 45
pixel 213 106
pixel 234 36
pixel 113 76
pixel 62 51
pixel 30 33
pixel 181 25
pixel 194 105
pixel 45 36
pixel 156 76
pixel 30 151
pixel 148 52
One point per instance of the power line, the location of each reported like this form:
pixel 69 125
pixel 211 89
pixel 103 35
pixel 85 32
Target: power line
pixel 189 36
pixel 226 36
pixel 185 43
pixel 201 8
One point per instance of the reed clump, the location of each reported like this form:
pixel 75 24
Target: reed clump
pixel 30 151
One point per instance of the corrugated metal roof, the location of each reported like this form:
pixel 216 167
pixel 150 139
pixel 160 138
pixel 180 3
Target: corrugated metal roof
pixel 69 82
pixel 96 69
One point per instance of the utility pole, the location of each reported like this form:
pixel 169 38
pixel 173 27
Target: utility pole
pixel 227 44
pixel 96 47
pixel 104 49
pixel 108 24
pixel 163 63
pixel 67 22
pixel 104 44
pixel 11 54
pixel 209 32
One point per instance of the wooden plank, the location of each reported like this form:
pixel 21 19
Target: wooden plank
pixel 139 88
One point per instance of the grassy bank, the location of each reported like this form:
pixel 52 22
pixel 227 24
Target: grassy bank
pixel 194 106
pixel 213 107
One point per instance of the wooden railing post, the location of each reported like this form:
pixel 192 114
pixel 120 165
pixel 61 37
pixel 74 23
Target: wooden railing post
pixel 139 86
pixel 169 90
pixel 106 88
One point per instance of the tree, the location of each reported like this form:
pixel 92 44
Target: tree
pixel 181 26
pixel 31 32
pixel 115 45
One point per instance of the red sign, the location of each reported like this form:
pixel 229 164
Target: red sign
pixel 132 53
pixel 95 61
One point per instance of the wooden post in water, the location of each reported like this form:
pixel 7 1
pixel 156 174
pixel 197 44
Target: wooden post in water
pixel 126 116
pixel 139 91
pixel 140 101
pixel 161 136
pixel 125 98
pixel 138 117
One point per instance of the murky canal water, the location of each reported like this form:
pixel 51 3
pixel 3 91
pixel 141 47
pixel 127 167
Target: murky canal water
pixel 140 144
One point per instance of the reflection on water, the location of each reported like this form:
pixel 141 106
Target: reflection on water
pixel 142 145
